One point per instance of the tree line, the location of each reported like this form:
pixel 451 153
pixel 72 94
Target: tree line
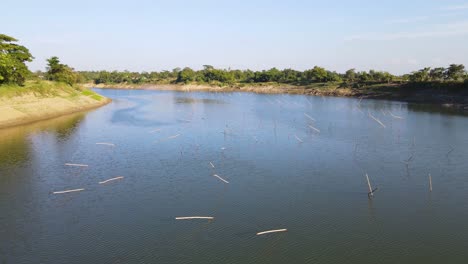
pixel 211 75
pixel 13 69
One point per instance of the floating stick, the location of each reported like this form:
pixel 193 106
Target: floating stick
pixel 316 129
pixel 69 191
pixel 271 231
pixel 408 160
pixel 377 120
pixel 156 130
pixel 212 165
pixel 430 182
pixel 448 153
pixel 371 192
pixel 395 116
pixel 217 176
pixel 107 144
pixel 76 165
pixel 308 116
pixel 113 179
pixel 193 217
pixel 298 139
pixel 171 137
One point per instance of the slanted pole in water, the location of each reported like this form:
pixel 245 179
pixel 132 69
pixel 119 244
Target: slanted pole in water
pixel 371 193
pixel 430 182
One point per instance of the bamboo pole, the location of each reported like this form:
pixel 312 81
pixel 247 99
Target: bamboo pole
pixel 271 231
pixel 377 120
pixel 430 182
pixel 156 130
pixel 171 137
pixel 308 116
pixel 212 165
pixel 104 143
pixel 371 193
pixel 217 176
pixel 76 165
pixel 69 191
pixel 112 179
pixel 316 129
pixel 395 116
pixel 298 139
pixel 194 217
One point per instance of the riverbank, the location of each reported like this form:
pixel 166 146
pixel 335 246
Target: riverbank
pixel 42 100
pixel 449 95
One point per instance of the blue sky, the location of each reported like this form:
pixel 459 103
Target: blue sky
pixel 397 36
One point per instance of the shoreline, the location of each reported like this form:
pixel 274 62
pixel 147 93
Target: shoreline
pixel 455 99
pixel 30 108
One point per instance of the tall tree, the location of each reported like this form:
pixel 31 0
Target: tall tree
pixel 13 58
pixel 455 72
pixel 59 72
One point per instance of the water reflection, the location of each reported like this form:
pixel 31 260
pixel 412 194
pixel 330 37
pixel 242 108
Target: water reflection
pixel 15 142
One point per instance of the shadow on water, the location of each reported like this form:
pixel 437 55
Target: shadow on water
pixel 15 144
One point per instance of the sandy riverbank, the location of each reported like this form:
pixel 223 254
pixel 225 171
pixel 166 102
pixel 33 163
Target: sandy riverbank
pixel 30 107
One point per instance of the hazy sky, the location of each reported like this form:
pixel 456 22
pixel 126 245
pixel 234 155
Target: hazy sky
pixel 397 36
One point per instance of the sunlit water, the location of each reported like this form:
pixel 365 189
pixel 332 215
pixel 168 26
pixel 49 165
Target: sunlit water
pixel 281 172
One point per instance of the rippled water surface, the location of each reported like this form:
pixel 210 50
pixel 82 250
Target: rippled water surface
pixel 282 173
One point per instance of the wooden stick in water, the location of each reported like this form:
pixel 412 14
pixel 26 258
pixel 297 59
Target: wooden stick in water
pixel 171 137
pixel 76 165
pixel 271 231
pixel 316 129
pixel 430 182
pixel 69 191
pixel 156 130
pixel 104 143
pixel 371 193
pixel 112 179
pixel 217 176
pixel 308 116
pixel 194 217
pixel 395 116
pixel 298 139
pixel 377 120
pixel 212 165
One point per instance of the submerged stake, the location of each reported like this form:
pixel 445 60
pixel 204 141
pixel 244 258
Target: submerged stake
pixel 371 193
pixel 430 182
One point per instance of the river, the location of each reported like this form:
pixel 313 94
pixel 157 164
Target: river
pixel 288 162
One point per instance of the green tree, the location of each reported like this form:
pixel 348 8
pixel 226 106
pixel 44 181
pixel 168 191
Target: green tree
pixel 437 74
pixel 59 72
pixel 317 74
pixel 13 58
pixel 420 76
pixel 455 72
pixel 186 75
pixel 351 75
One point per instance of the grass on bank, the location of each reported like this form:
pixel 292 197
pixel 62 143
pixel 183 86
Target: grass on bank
pixel 41 88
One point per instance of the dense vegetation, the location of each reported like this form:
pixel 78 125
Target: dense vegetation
pixel 211 75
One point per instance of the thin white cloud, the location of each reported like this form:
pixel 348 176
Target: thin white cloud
pixel 456 7
pixel 442 30
pixel 407 20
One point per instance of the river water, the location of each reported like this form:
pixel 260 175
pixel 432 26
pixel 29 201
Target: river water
pixel 292 162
